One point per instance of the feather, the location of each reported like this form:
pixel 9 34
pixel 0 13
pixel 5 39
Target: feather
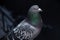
pixel 28 27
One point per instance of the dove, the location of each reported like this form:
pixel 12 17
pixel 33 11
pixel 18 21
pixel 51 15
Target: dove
pixel 30 27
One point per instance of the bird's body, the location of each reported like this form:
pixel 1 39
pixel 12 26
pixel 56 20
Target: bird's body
pixel 31 26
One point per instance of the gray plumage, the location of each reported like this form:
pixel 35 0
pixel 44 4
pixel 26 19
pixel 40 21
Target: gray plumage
pixel 28 25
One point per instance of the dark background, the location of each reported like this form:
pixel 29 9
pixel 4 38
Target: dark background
pixel 50 15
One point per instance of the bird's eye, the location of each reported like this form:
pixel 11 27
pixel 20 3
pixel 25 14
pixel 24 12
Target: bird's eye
pixel 35 8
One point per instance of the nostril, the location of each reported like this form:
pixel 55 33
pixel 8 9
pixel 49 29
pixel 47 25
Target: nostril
pixel 40 9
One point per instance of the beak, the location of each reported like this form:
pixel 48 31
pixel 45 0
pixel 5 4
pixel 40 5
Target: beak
pixel 40 9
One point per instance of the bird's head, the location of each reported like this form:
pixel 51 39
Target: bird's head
pixel 34 16
pixel 35 9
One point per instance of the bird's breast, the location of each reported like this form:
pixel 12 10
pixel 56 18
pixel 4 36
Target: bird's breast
pixel 26 30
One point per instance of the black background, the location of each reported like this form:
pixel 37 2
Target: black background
pixel 50 15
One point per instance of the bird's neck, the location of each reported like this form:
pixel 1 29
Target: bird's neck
pixel 34 18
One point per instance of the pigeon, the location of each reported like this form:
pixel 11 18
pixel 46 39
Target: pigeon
pixel 30 27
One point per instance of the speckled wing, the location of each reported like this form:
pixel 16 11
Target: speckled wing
pixel 24 30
